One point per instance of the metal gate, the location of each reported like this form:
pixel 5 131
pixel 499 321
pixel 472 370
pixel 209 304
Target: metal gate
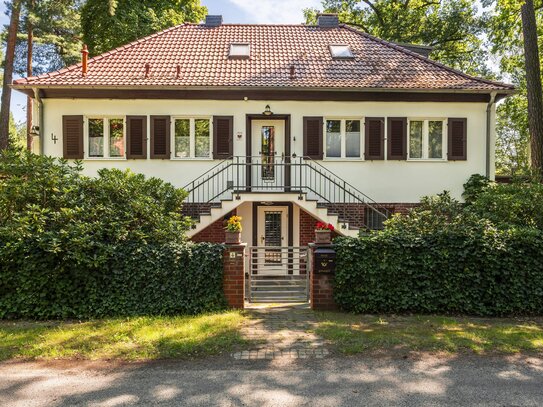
pixel 278 274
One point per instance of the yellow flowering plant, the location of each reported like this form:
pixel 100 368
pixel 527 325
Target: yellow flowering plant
pixel 233 224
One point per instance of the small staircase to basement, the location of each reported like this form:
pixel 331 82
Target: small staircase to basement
pixel 314 188
pixel 286 288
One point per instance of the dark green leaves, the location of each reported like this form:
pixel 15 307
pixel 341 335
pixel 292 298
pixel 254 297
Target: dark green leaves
pixel 79 247
pixel 485 258
pixel 107 25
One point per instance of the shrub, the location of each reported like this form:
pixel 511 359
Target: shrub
pixel 482 258
pixel 74 246
pixel 509 205
pixel 477 271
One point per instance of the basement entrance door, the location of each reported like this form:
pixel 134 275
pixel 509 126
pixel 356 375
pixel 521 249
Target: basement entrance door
pixel 268 145
pixel 272 236
pixel 277 272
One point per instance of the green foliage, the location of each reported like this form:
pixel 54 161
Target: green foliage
pixel 474 186
pixel 482 258
pixel 476 271
pixel 504 32
pixel 452 27
pixel 110 24
pixel 519 204
pixel 56 29
pixel 74 246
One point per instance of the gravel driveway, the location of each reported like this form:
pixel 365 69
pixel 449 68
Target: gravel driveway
pixel 333 381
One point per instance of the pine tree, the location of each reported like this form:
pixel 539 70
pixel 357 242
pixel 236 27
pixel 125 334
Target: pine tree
pixel 533 84
pixel 8 74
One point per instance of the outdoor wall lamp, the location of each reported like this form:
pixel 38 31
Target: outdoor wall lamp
pixel 267 111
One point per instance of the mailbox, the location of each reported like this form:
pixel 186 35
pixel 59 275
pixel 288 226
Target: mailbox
pixel 325 260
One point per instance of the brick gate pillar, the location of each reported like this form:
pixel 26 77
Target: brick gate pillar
pixel 234 275
pixel 321 285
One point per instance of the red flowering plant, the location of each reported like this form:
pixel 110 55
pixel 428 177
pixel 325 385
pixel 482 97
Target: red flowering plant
pixel 324 226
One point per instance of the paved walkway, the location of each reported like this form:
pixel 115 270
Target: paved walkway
pixel 281 332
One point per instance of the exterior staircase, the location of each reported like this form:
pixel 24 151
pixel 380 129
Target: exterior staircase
pixel 288 288
pixel 301 180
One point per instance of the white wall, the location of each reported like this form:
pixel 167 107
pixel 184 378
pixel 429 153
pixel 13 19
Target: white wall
pixel 384 181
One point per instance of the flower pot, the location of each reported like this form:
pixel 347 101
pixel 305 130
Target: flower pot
pixel 232 237
pixel 323 236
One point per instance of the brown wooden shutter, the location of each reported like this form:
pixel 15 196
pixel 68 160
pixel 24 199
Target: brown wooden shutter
pixel 136 137
pixel 72 137
pixel 223 137
pixel 397 138
pixel 160 137
pixel 457 139
pixel 313 142
pixel 375 135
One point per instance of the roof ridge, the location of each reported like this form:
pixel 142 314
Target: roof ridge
pixel 100 56
pixel 425 59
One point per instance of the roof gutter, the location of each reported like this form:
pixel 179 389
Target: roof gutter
pixel 282 88
pixel 489 109
pixel 40 108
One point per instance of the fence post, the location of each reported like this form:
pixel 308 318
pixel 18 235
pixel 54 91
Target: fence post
pixel 321 284
pixel 234 275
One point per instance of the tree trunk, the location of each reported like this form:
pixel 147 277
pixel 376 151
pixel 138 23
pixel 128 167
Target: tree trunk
pixel 29 49
pixel 533 83
pixel 8 74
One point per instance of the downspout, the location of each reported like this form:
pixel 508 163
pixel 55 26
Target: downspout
pixel 40 108
pixel 489 106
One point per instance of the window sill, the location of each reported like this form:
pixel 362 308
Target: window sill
pixel 105 159
pixel 191 159
pixel 427 160
pixel 341 159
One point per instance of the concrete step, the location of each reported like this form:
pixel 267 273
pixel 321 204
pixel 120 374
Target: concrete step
pixel 272 284
pixel 278 292
pixel 279 300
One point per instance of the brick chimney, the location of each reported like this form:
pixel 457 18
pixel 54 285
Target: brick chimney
pixel 84 59
pixel 213 21
pixel 327 20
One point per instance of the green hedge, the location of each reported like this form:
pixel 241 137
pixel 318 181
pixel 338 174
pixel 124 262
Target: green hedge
pixel 137 279
pixel 72 246
pixel 472 270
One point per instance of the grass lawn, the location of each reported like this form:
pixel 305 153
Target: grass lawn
pixel 140 338
pixel 353 334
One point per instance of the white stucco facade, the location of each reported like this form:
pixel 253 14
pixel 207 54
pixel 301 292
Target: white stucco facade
pixel 384 181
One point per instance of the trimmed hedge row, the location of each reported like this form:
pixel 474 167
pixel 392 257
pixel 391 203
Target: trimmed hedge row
pixel 72 246
pixel 476 271
pixel 174 278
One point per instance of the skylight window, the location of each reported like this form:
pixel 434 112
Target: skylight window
pixel 341 51
pixel 240 50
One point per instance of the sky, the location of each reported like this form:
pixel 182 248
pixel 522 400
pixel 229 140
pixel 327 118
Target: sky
pixel 233 11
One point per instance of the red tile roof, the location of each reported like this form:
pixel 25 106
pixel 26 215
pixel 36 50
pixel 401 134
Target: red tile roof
pixel 202 56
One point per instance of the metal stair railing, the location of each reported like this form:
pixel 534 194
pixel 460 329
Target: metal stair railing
pixel 301 175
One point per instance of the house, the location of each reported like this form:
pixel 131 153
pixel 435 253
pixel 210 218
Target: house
pixel 282 124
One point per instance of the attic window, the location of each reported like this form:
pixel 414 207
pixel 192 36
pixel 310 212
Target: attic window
pixel 341 51
pixel 240 50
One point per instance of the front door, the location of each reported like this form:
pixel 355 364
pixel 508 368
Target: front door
pixel 268 145
pixel 272 235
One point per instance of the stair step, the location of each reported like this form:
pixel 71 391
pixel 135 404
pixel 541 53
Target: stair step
pixel 278 300
pixel 288 277
pixel 277 284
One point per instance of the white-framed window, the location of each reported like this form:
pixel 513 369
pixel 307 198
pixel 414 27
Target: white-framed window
pixel 341 52
pixel 427 139
pixel 343 138
pixel 241 50
pixel 105 137
pixel 191 137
